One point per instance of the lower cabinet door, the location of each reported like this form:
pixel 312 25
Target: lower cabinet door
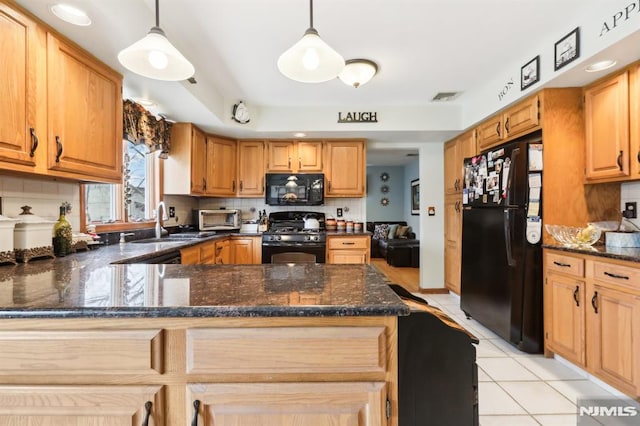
pixel 81 405
pixel 347 257
pixel 287 404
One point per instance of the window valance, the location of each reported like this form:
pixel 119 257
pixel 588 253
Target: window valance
pixel 142 127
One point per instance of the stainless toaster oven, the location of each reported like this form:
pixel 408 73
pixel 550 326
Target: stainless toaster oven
pixel 217 220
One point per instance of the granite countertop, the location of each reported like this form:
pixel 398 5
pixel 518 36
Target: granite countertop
pixel 630 254
pixel 73 287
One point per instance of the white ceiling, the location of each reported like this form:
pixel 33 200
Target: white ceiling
pixel 422 47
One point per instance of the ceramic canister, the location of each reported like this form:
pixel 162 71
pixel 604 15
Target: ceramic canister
pixel 32 232
pixel 6 239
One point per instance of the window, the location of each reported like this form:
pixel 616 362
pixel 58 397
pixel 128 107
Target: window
pixel 131 202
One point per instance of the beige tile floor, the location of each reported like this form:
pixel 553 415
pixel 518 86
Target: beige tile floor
pixel 516 388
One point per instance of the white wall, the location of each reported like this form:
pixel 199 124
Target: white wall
pixel 431 162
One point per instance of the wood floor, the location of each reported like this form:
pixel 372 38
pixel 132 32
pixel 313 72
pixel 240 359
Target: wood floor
pixel 409 278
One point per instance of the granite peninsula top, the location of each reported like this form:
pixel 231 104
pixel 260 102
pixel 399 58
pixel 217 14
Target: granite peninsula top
pixel 69 288
pixel 630 254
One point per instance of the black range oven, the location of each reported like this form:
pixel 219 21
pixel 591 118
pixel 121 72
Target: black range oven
pixel 287 241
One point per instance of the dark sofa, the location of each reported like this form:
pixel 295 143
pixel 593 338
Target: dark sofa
pixel 397 251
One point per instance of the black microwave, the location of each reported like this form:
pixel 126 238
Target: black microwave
pixel 294 189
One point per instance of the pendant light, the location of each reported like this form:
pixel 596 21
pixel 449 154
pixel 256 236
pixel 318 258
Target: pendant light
pixel 310 60
pixel 357 72
pixel 155 57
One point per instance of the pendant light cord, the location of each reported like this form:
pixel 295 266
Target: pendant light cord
pixel 157 13
pixel 310 13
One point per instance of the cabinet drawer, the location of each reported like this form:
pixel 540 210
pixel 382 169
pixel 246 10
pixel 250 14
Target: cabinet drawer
pixel 85 352
pixel 348 243
pixel 617 274
pixel 565 264
pixel 286 350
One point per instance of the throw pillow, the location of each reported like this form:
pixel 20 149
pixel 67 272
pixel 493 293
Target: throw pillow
pixel 393 229
pixel 403 231
pixel 380 232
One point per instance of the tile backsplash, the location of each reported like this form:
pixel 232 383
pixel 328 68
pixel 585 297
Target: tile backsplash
pixel 44 196
pixel 630 191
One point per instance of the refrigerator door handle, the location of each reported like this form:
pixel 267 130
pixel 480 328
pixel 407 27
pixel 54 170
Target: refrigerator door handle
pixel 507 237
pixel 512 169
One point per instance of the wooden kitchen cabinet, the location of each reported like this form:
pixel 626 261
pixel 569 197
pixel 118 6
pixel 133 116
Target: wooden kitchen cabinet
pixel 515 121
pixel 592 316
pixel 349 249
pixel 455 151
pixel 345 168
pixel 607 140
pixel 81 404
pixel 309 404
pixel 223 252
pixel 199 254
pixel 564 297
pixel 221 167
pixel 453 242
pixel 83 140
pixel 42 128
pixel 634 120
pixel 21 59
pixel 245 250
pixel 251 169
pixel 284 156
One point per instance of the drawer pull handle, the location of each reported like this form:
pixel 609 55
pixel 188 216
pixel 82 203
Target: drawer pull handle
pixel 147 414
pixel 196 408
pixel 575 296
pixel 563 265
pixel 620 277
pixel 348 243
pixel 34 142
pixel 594 302
pixel 59 146
pixel 619 160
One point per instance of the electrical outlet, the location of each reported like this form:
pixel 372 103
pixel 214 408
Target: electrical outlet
pixel 172 211
pixel 630 210
pixel 339 212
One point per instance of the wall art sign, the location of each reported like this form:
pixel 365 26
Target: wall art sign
pixel 530 73
pixel 620 16
pixel 503 92
pixel 358 117
pixel 567 49
pixel 415 197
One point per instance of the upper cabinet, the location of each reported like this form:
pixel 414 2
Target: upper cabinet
pixel 85 113
pixel 345 169
pixel 513 122
pixel 22 118
pixel 455 151
pixel 607 129
pixel 60 109
pixel 250 168
pixel 221 167
pixel 294 156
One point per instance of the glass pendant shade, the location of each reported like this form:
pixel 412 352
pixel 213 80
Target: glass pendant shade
pixel 155 57
pixel 357 72
pixel 310 60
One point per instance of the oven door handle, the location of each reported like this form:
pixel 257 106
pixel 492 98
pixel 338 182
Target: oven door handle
pixel 281 244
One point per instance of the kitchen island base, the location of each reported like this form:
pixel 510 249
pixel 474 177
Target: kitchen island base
pixel 224 371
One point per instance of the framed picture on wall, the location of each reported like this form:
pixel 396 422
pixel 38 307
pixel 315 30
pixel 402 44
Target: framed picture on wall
pixel 415 197
pixel 567 49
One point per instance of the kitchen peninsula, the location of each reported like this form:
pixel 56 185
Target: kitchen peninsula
pixel 176 344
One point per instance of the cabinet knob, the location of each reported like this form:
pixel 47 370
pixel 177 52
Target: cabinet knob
pixel 147 414
pixel 59 147
pixel 196 408
pixel 619 160
pixel 34 142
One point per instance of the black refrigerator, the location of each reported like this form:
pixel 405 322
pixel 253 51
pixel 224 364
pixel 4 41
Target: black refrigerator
pixel 501 282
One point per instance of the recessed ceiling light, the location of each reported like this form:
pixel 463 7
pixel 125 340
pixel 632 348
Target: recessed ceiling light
pixel 70 14
pixel 299 135
pixel 600 65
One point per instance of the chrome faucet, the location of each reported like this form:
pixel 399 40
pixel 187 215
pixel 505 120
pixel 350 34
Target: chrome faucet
pixel 159 218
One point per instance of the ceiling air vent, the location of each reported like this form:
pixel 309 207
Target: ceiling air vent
pixel 445 96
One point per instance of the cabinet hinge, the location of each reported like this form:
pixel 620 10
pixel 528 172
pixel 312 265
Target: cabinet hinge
pixel 388 409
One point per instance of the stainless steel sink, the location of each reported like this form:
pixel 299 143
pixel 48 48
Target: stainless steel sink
pixel 162 240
